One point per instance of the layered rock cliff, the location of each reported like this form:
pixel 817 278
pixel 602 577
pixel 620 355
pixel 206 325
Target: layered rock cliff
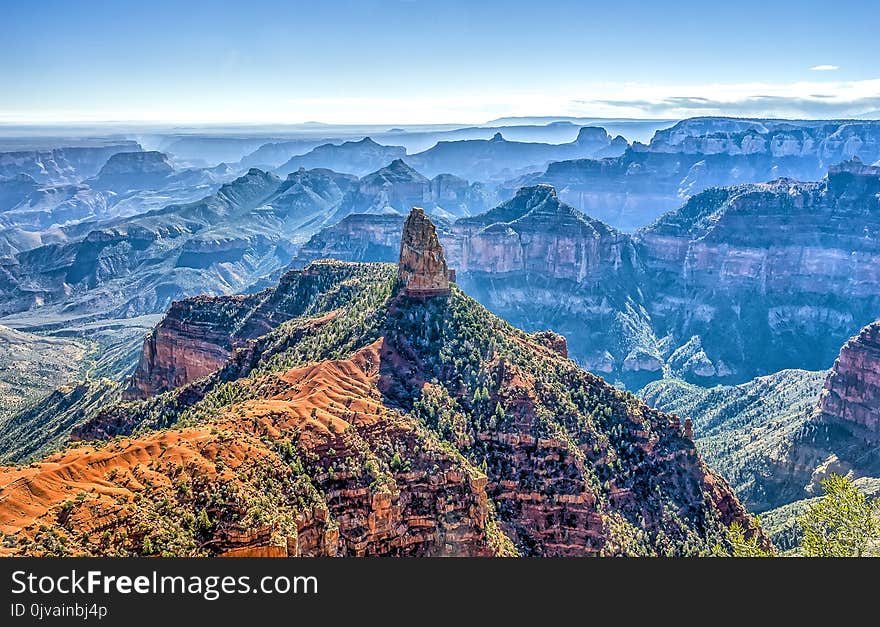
pixel 768 276
pixel 634 189
pixel 851 396
pixel 825 141
pixel 738 282
pixel 148 162
pixel 188 344
pixel 536 232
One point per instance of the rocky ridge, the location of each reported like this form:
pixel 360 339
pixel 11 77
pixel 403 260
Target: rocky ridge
pixel 632 190
pixel 224 242
pixel 352 157
pixel 374 423
pixel 776 437
pixel 61 165
pixel 700 294
pixel 851 396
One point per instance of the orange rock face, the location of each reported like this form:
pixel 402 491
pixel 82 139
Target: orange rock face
pixel 175 354
pixel 187 345
pixel 101 500
pixel 422 268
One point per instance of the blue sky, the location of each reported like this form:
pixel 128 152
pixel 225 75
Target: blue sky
pixel 374 61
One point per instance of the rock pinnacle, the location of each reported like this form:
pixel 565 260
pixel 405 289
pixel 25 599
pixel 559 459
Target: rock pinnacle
pixel 422 268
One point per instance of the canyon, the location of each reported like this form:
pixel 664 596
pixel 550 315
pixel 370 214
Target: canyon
pixel 631 190
pixel 776 438
pixel 368 415
pixel 738 282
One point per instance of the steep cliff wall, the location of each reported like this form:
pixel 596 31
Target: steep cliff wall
pixel 768 276
pixel 851 397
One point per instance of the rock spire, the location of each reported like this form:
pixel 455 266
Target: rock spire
pixel 422 268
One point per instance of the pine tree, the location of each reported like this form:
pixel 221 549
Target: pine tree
pixel 843 523
pixel 204 521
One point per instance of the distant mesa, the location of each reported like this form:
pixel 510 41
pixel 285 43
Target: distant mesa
pixel 354 157
pixel 143 162
pixel 422 268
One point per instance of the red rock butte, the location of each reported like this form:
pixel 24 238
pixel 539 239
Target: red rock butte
pixel 422 268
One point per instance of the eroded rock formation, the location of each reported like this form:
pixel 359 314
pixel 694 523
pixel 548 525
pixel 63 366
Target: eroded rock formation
pixel 357 420
pixel 199 334
pixel 694 155
pixel 422 268
pixel 242 464
pixel 851 396
pixel 186 346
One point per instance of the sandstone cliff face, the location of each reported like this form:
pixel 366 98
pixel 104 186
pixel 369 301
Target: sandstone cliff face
pixel 851 397
pixel 537 233
pixel 199 334
pixel 769 276
pixel 187 345
pixel 422 268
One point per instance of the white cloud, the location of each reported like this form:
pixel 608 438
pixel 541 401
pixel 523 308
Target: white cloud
pixel 811 99
pixel 825 68
pixel 806 99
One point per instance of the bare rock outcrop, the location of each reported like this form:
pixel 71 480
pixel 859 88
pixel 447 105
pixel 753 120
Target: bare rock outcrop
pixel 187 345
pixel 553 341
pixel 852 390
pixel 422 268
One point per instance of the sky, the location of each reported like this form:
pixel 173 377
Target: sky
pixel 415 61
